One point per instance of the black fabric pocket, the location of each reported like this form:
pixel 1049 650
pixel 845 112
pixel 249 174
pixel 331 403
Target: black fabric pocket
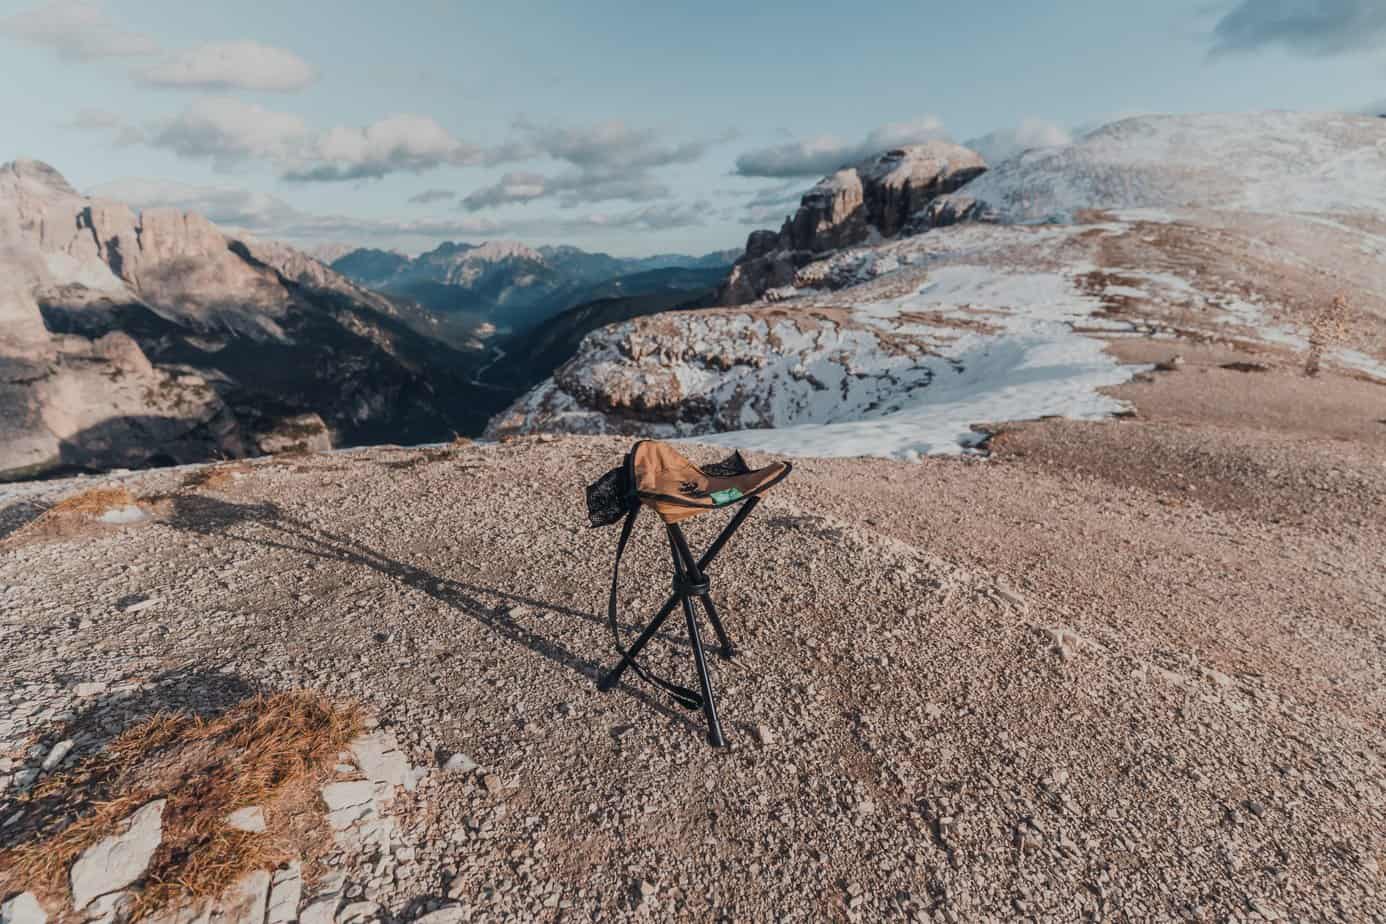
pixel 729 467
pixel 610 497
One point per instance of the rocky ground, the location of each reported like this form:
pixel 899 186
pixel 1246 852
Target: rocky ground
pixel 1129 670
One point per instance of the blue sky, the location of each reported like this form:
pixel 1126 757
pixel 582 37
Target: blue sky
pixel 629 127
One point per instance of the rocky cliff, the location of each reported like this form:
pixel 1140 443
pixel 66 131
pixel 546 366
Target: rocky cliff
pixel 1146 236
pixel 131 339
pixel 875 199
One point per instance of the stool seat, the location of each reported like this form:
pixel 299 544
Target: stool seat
pixel 676 489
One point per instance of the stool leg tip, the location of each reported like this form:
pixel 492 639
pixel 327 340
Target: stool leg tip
pixel 728 652
pixel 608 682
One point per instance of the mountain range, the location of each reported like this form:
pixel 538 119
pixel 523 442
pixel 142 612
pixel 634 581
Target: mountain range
pixel 509 287
pixel 130 339
pixel 910 297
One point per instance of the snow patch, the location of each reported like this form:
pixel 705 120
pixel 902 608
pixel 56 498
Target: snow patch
pixel 1028 363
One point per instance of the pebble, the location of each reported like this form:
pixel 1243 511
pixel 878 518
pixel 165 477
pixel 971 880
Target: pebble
pixel 459 763
pixel 56 754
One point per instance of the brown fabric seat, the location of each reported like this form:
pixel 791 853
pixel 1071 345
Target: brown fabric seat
pixel 676 489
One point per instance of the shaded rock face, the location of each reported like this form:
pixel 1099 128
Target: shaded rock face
pixel 136 339
pixel 691 373
pixel 878 198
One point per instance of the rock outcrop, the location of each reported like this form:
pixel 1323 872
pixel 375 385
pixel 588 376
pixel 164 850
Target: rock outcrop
pixel 898 346
pixel 130 339
pixel 878 198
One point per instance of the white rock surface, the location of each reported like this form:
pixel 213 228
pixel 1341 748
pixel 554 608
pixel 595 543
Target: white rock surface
pixel 245 902
pixel 110 908
pixel 357 911
pixel 250 819
pixel 320 911
pixel 348 802
pixel 120 860
pixel 448 914
pixel 56 754
pixel 459 763
pixel 286 890
pixel 124 515
pixel 23 908
pixel 381 759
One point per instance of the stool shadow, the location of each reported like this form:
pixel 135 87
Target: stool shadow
pixel 211 517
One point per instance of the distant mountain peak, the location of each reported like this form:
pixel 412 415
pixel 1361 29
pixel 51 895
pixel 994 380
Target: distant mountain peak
pixel 38 173
pixel 504 250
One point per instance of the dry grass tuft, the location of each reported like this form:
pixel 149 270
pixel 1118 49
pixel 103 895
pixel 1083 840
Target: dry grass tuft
pixel 1327 327
pixel 215 477
pixel 274 752
pixel 71 516
pixel 93 503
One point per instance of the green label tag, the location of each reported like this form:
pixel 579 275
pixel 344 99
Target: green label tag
pixel 727 496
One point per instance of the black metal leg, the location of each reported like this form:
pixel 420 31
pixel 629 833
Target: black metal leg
pixel 688 571
pixel 695 574
pixel 714 726
pixel 728 649
pixel 612 677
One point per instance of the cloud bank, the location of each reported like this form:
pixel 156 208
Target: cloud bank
pixel 269 216
pixel 1004 144
pixel 77 31
pixel 230 66
pixel 1311 27
pixel 817 157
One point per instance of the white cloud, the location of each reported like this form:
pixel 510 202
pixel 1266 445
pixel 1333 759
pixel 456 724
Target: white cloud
pixel 816 157
pixel 649 218
pixel 228 131
pixel 268 216
pixel 226 206
pixel 1311 27
pixel 609 145
pixel 242 65
pixel 1004 144
pixel 770 205
pixel 572 189
pixel 403 143
pixel 79 31
pixel 613 161
pixel 238 209
pixel 510 188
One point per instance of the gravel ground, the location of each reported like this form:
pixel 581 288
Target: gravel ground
pixel 1117 672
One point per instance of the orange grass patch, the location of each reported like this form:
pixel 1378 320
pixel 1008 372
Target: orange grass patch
pixel 215 477
pixel 273 752
pixel 70 517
